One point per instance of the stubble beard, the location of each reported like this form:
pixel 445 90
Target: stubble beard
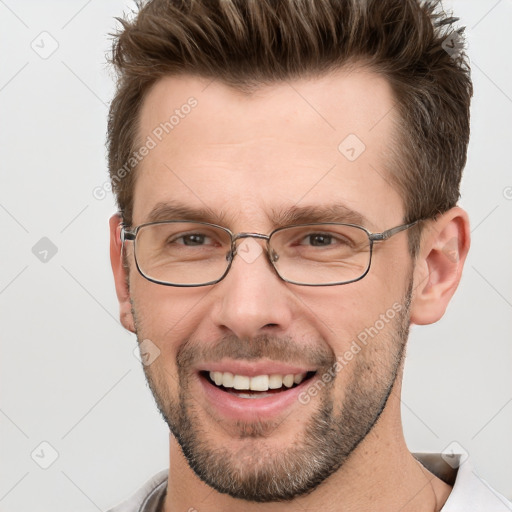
pixel 258 471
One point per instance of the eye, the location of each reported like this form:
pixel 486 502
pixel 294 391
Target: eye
pixel 192 239
pixel 323 240
pixel 319 240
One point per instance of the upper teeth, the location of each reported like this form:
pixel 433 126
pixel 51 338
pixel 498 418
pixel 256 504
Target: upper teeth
pixel 258 383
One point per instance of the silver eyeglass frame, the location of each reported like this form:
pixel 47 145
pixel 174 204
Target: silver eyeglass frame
pixel 272 256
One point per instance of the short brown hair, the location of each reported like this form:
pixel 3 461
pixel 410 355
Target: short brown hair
pixel 250 43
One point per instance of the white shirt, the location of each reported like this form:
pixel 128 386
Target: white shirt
pixel 469 494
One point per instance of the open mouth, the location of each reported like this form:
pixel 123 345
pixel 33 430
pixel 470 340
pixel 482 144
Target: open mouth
pixel 259 386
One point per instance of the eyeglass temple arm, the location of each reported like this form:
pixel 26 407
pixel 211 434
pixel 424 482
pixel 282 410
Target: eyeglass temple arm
pixel 390 232
pixel 130 235
pixel 126 235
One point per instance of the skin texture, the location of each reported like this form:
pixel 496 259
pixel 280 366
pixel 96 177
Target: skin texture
pixel 244 157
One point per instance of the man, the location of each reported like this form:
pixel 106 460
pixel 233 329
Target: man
pixel 287 175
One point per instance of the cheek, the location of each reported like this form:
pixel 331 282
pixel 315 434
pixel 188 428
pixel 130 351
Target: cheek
pixel 341 315
pixel 367 367
pixel 166 309
pixel 361 330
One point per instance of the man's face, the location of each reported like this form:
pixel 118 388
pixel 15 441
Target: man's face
pixel 244 158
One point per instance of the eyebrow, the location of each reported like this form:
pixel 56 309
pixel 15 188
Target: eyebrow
pixel 281 217
pixel 317 214
pixel 174 210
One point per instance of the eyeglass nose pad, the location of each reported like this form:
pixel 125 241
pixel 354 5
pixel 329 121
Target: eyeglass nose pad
pixel 273 256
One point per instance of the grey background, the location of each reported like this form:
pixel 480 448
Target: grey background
pixel 68 374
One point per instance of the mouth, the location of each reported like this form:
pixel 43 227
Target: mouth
pixel 249 394
pixel 258 386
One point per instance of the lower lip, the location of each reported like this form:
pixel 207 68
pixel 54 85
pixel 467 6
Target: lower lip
pixel 234 407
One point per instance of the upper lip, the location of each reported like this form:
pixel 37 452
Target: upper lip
pixel 254 368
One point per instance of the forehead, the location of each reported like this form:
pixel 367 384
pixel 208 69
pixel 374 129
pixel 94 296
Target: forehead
pixel 307 143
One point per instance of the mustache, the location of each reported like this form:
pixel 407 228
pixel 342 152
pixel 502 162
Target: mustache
pixel 274 348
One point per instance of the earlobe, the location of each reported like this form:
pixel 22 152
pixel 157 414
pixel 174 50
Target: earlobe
pixel 444 247
pixel 120 276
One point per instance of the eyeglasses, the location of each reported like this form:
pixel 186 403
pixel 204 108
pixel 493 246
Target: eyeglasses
pixel 183 253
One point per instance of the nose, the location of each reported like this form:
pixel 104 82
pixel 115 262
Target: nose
pixel 252 299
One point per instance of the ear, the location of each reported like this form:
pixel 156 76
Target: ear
pixel 120 276
pixel 443 250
